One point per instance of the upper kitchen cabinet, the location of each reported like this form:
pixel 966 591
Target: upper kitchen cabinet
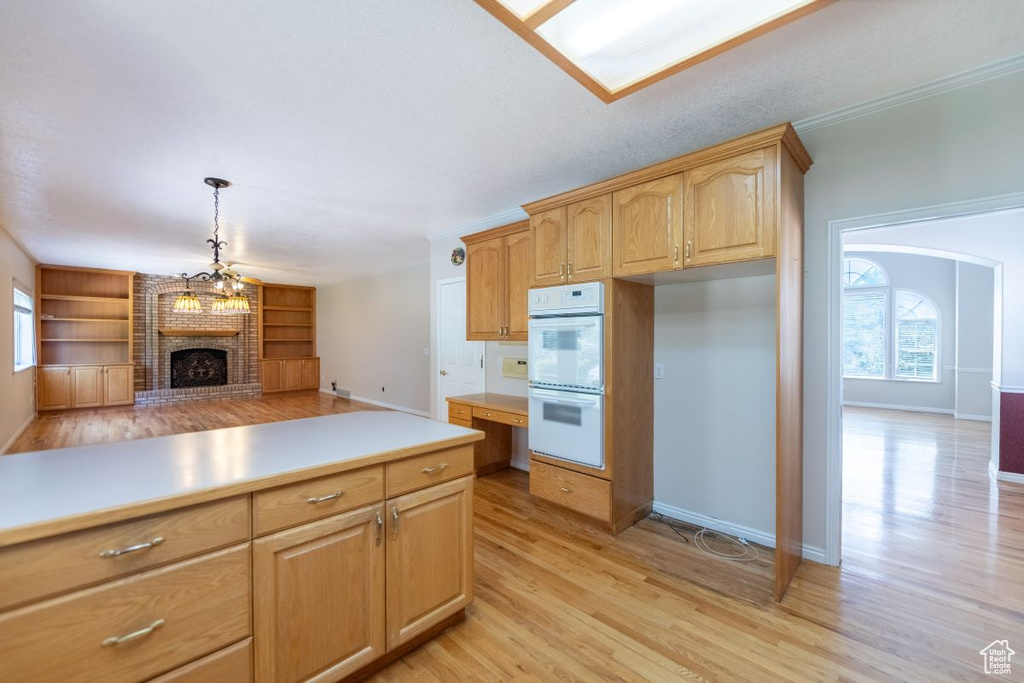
pixel 648 226
pixel 547 236
pixel 498 267
pixel 729 209
pixel 572 243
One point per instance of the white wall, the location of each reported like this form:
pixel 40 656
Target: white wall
pixel 714 411
pixel 17 389
pixel 936 279
pixel 961 145
pixel 372 332
pixel 975 303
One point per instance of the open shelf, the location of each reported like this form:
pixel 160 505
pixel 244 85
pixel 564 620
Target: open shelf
pixel 86 341
pixel 84 320
pixel 288 322
pixel 287 308
pixel 75 297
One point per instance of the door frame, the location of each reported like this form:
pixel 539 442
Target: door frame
pixel 834 405
pixel 436 365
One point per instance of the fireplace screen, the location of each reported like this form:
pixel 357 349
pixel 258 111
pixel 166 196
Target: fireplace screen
pixel 199 368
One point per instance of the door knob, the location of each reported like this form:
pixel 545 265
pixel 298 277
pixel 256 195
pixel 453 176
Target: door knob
pixel 444 373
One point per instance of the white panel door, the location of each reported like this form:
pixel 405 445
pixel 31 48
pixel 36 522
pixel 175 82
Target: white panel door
pixel 460 362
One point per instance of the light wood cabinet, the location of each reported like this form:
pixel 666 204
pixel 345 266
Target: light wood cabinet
pixel 290 374
pixel 311 373
pixel 547 234
pixel 272 372
pixel 429 558
pixel 87 386
pixel 589 239
pixel 84 386
pixel 319 598
pixel 118 385
pixel 648 226
pixel 498 267
pixel 572 243
pixel 729 209
pixel 53 387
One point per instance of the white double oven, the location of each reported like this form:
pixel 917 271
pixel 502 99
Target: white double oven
pixel 566 351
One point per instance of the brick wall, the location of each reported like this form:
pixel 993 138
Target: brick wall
pixel 154 301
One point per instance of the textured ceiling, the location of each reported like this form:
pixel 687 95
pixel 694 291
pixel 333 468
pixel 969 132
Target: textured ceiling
pixel 352 130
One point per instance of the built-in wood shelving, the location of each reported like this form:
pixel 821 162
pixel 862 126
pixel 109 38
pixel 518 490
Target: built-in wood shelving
pixel 287 322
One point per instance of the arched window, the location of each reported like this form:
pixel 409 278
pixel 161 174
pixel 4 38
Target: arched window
pixel 887 334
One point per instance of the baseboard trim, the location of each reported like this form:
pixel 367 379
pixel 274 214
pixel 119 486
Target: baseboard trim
pixel 893 406
pixel 382 404
pixel 523 465
pixel 810 552
pixel 1011 477
pixel 17 433
pixel 973 418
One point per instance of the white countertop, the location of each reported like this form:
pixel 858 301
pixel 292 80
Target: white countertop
pixel 40 488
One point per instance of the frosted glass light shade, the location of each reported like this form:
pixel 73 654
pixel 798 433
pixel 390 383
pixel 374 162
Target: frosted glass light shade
pixel 620 42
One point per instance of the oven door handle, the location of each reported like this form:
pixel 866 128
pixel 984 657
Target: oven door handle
pixel 567 401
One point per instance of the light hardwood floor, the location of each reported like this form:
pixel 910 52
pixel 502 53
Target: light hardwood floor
pixel 60 429
pixel 933 570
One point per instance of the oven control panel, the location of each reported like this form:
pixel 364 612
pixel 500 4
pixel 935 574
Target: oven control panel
pixel 587 297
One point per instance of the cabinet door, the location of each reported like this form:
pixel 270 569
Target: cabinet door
pixel 86 386
pixel 647 226
pixel 589 238
pixel 547 235
pixel 485 289
pixel 118 385
pixel 54 387
pixel 292 374
pixel 519 267
pixel 319 598
pixel 730 209
pixel 429 558
pixel 311 373
pixel 272 376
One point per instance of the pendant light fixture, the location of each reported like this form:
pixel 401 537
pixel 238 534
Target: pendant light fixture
pixel 223 276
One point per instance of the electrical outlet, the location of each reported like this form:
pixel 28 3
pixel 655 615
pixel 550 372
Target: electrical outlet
pixel 659 371
pixel 501 362
pixel 426 350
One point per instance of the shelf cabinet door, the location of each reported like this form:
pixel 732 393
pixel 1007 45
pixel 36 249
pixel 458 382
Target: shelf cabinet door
pixel 311 373
pixel 647 227
pixel 730 209
pixel 429 558
pixel 589 239
pixel 319 598
pixel 486 289
pixel 519 267
pixel 292 374
pixel 53 387
pixel 86 386
pixel 273 376
pixel 547 235
pixel 118 385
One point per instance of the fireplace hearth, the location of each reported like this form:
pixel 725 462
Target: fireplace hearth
pixel 199 368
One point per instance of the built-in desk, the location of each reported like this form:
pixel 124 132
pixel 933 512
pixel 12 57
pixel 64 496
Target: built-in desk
pixel 495 415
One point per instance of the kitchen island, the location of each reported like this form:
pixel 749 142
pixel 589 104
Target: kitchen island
pixel 303 550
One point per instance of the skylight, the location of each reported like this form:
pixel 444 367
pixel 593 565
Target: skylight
pixel 616 47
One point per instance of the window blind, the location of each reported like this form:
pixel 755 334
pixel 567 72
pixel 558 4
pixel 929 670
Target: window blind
pixel 915 349
pixel 22 302
pixel 864 333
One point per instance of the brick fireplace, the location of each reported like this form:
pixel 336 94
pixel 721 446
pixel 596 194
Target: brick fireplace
pixel 161 335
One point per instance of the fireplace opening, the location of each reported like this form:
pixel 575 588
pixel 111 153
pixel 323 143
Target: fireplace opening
pixel 199 368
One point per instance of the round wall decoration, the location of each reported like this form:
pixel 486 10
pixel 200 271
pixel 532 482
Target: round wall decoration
pixel 458 256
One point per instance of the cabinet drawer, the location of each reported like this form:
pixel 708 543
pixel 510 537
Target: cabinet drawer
pixel 316 498
pixel 513 419
pixel 35 570
pixel 165 618
pixel 468 424
pixel 461 411
pixel 230 665
pixel 580 492
pixel 427 470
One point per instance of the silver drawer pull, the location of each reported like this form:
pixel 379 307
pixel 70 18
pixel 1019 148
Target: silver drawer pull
pixel 117 552
pixel 517 421
pixel 141 633
pixel 567 489
pixel 321 499
pixel 440 468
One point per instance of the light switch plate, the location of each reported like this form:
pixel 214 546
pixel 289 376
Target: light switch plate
pixel 513 367
pixel 659 371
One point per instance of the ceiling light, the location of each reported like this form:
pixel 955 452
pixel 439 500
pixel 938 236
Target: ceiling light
pixel 616 47
pixel 221 274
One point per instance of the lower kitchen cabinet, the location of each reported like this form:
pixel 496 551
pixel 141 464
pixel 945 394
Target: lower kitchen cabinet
pixel 290 374
pixel 429 558
pixel 84 386
pixel 319 598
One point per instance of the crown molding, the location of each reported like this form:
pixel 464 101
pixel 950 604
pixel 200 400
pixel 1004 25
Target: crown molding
pixel 486 223
pixel 939 86
pixel 18 243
